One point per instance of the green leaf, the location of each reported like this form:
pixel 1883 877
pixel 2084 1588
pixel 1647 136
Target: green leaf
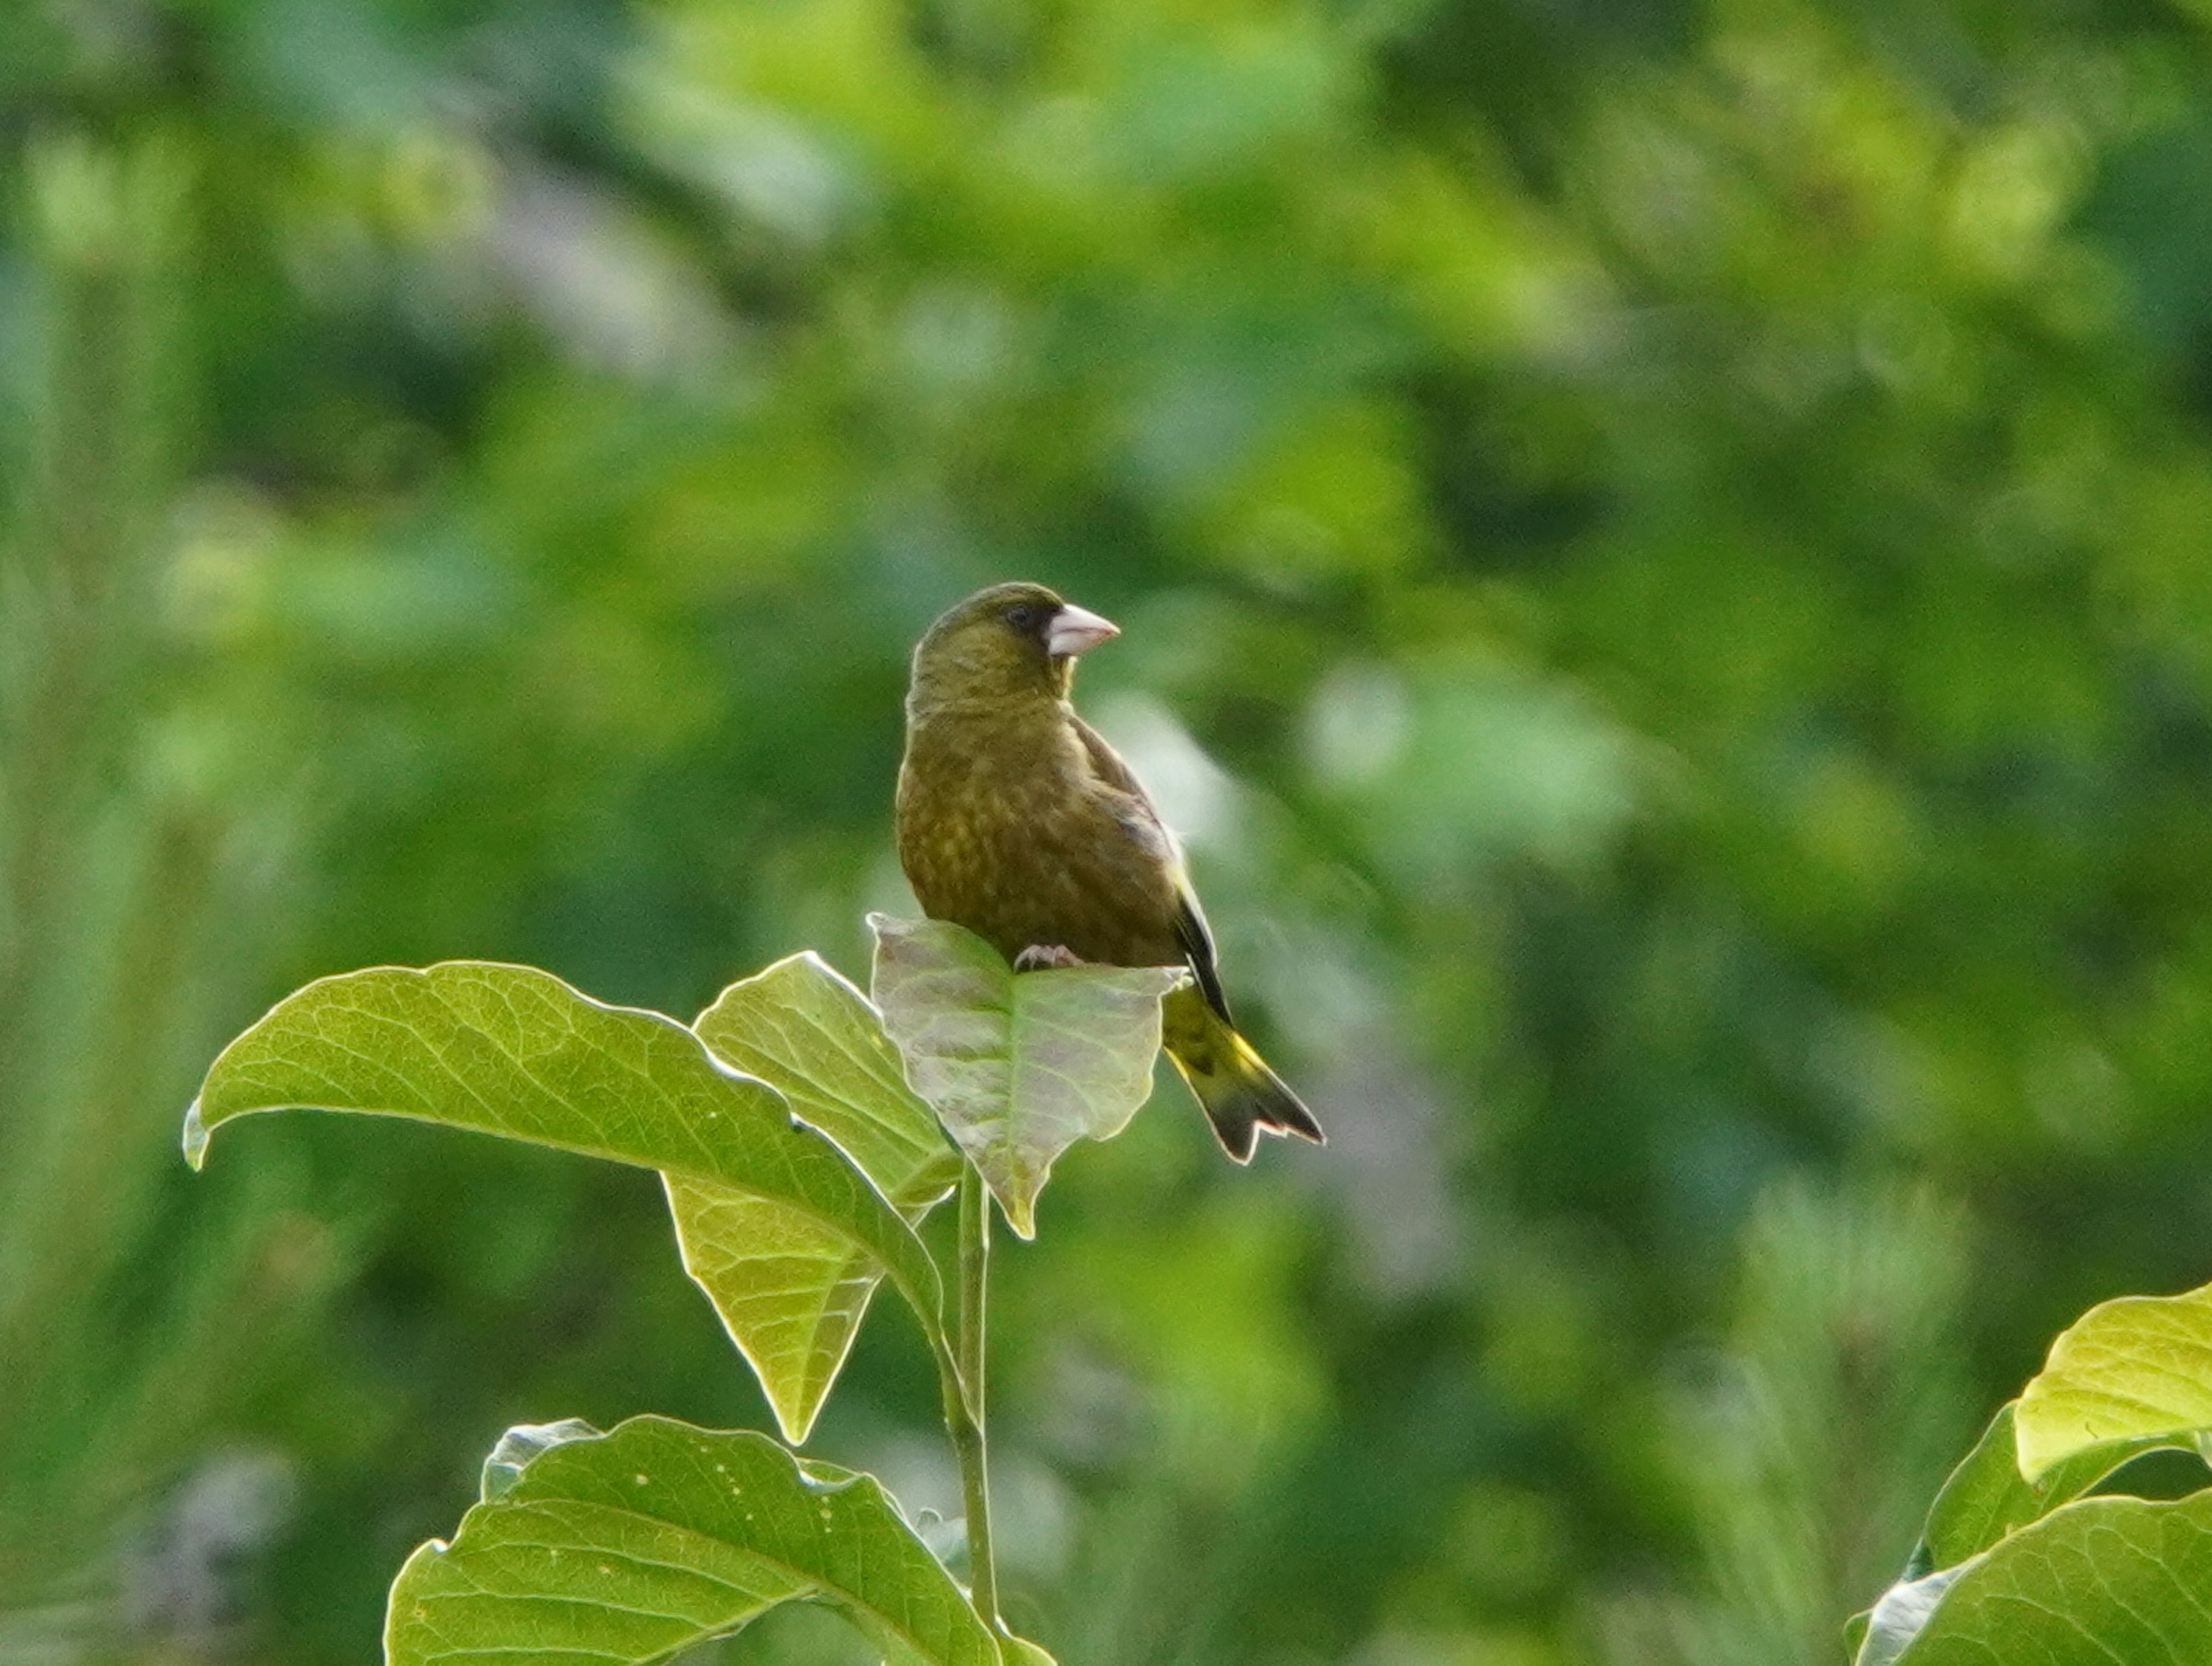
pixel 633 1545
pixel 1879 1637
pixel 805 1029
pixel 2140 1366
pixel 2096 1582
pixel 792 1295
pixel 1987 1497
pixel 513 1050
pixel 522 1443
pixel 1855 1633
pixel 1017 1067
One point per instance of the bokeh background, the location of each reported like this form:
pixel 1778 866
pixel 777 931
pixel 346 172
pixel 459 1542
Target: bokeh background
pixel 1662 550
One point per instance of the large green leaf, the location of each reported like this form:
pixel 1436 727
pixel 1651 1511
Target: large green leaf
pixel 791 1294
pixel 1987 1497
pixel 2140 1366
pixel 2100 1581
pixel 590 1549
pixel 1019 1067
pixel 513 1050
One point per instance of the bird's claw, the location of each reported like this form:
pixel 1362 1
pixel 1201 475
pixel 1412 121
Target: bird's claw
pixel 1041 957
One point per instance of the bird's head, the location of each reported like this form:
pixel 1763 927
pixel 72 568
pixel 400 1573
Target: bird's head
pixel 1008 641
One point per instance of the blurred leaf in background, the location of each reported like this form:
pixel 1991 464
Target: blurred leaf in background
pixel 1660 551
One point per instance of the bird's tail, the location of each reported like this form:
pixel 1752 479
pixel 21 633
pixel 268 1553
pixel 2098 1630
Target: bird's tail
pixel 1238 1091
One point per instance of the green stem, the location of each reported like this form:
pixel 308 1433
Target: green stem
pixel 963 1400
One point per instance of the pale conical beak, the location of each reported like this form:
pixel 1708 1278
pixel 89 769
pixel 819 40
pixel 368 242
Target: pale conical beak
pixel 1076 629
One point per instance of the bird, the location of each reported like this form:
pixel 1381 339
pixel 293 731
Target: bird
pixel 1015 820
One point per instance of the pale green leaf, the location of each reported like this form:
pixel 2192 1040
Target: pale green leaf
pixel 2135 1368
pixel 791 1295
pixel 513 1050
pixel 1019 1067
pixel 2099 1582
pixel 631 1545
pixel 802 1027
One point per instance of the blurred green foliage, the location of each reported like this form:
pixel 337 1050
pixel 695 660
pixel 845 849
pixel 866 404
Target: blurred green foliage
pixel 1662 555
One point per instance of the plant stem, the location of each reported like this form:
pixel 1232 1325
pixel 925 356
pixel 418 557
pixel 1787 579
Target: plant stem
pixel 964 1402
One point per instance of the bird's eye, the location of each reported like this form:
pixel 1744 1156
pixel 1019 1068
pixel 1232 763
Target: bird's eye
pixel 1022 616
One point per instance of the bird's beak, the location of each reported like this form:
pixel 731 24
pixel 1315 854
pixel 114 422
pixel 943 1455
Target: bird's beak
pixel 1076 629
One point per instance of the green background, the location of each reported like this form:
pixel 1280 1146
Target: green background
pixel 1665 558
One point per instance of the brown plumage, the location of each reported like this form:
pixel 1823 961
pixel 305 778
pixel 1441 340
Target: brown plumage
pixel 1017 821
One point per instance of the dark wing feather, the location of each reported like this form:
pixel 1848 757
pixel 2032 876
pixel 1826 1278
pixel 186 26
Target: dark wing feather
pixel 1198 943
pixel 1191 931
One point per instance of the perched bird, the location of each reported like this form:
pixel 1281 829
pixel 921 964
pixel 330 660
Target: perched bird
pixel 1017 821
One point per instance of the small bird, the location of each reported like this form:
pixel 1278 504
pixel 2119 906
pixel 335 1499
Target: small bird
pixel 1017 820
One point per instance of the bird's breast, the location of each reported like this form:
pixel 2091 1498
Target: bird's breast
pixel 1003 828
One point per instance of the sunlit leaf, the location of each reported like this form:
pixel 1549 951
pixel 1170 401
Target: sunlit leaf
pixel 513 1050
pixel 791 1294
pixel 1019 1067
pixel 631 1546
pixel 1987 1497
pixel 2096 1582
pixel 2137 1367
pixel 805 1029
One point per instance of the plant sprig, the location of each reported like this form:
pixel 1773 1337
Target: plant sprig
pixel 801 1131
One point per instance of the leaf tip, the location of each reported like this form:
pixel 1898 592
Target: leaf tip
pixel 794 1408
pixel 196 1136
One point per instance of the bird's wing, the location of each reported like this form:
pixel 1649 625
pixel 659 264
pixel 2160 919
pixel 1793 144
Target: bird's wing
pixel 1191 931
pixel 1106 764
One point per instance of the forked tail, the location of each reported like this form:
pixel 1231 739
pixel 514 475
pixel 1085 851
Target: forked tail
pixel 1238 1093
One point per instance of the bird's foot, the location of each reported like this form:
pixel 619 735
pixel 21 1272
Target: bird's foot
pixel 1043 957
